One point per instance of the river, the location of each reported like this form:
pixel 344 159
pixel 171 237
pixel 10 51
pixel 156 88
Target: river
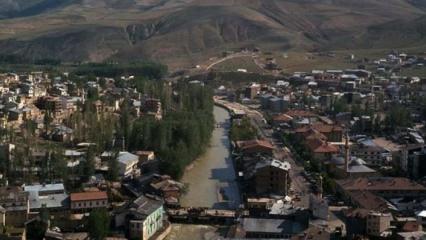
pixel 211 183
pixel 211 179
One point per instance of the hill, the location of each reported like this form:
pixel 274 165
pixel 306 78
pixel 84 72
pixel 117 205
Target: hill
pixel 183 32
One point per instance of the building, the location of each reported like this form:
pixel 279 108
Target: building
pixel 143 218
pixel 15 204
pixel 252 91
pixel 373 154
pixel 50 196
pixel 318 206
pixel 416 162
pixel 313 232
pixel 128 164
pixel 355 168
pixel 369 201
pixel 271 228
pixel 333 133
pixel 86 201
pixel 356 222
pixel 378 224
pixel 2 216
pixel 388 187
pixel 278 104
pixel 321 149
pixel 254 147
pixel 271 177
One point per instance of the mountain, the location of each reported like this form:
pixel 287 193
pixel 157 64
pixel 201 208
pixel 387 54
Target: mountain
pixel 24 8
pixel 186 31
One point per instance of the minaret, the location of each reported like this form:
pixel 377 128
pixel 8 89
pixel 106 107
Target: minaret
pixel 347 153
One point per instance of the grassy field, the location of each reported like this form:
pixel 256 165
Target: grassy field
pixel 234 64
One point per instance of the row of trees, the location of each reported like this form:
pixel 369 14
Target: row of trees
pixel 149 70
pixel 183 133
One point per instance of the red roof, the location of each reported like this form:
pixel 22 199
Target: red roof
pixel 300 113
pixel 88 196
pixel 319 146
pixel 320 127
pixel 282 118
pixel 244 145
pixel 381 184
pixel 410 227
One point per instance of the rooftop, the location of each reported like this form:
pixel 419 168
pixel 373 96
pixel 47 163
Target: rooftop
pixel 369 201
pixel 243 145
pixel 380 184
pixel 88 196
pixel 279 226
pixel 57 187
pixel 146 205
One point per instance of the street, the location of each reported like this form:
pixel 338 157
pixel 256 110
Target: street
pixel 299 185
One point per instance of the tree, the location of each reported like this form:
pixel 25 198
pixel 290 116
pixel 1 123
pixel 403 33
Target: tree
pixel 242 130
pixel 98 224
pixel 89 164
pixel 113 167
pixel 397 116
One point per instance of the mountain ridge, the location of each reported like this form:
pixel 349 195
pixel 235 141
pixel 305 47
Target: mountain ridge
pixel 170 30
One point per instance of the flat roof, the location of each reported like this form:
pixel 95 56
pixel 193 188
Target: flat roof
pixel 44 187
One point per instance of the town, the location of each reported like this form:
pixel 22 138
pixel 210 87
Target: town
pixel 111 152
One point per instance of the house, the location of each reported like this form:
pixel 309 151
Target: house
pixel 2 216
pixel 152 107
pixel 333 133
pixel 50 196
pixel 252 91
pixel 301 117
pixel 143 218
pixel 12 233
pixel 378 224
pixel 318 206
pixel 53 235
pixel 373 154
pixel 62 133
pixel 147 161
pixel 282 120
pixel 356 222
pixel 86 201
pixel 320 149
pixel 271 177
pixel 145 156
pixel 313 232
pixel 416 235
pixel 356 167
pixel 254 147
pixel 369 201
pixel 167 188
pixel 15 204
pixel 383 186
pixel 128 164
pixel 271 228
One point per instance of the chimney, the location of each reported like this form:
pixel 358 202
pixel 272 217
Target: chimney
pixel 347 155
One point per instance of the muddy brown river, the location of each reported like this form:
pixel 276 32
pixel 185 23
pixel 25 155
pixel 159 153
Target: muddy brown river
pixel 211 178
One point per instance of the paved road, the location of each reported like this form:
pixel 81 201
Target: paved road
pixel 299 183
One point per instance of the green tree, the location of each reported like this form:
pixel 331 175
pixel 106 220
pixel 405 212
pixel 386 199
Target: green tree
pixel 98 224
pixel 89 164
pixel 113 167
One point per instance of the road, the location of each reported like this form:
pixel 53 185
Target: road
pixel 235 55
pixel 298 181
